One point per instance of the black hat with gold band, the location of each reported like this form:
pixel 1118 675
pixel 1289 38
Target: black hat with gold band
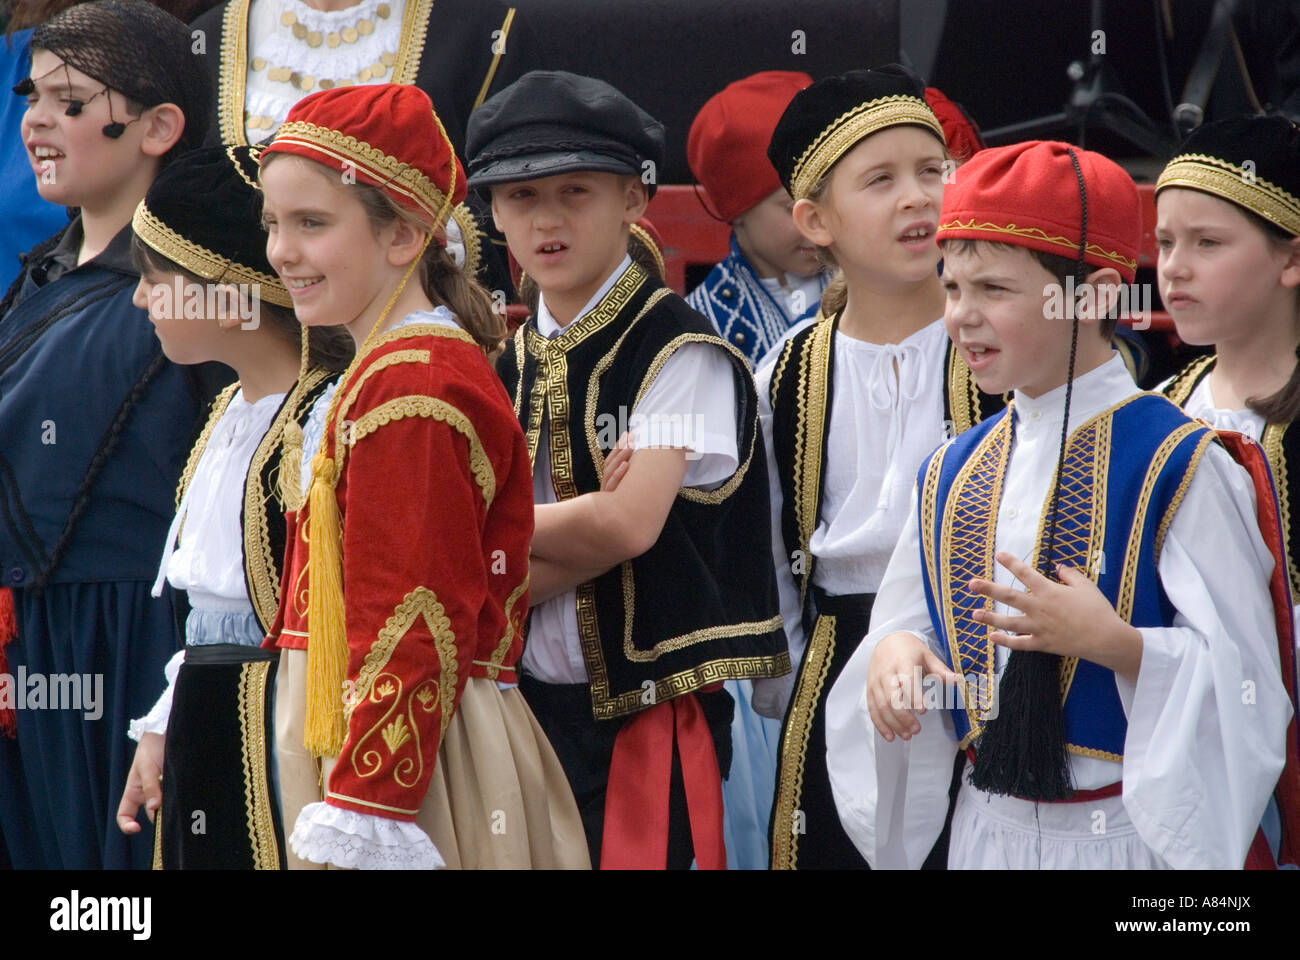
pixel 825 121
pixel 1253 162
pixel 203 212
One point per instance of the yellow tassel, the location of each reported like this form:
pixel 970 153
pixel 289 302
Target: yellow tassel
pixel 291 466
pixel 327 646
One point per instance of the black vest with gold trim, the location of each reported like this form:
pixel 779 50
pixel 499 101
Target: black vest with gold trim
pixel 701 604
pixel 1281 443
pixel 800 395
pixel 262 512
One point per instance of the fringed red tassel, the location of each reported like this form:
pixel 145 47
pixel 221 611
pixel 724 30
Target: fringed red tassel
pixel 8 630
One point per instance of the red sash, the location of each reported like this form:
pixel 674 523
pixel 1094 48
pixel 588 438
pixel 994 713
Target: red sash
pixel 640 772
pixel 8 630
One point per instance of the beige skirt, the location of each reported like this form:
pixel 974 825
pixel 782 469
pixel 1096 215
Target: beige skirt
pixel 498 798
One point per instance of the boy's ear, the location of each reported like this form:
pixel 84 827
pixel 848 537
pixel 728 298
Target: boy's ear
pixel 163 126
pixel 1106 284
pixel 636 199
pixel 811 222
pixel 496 217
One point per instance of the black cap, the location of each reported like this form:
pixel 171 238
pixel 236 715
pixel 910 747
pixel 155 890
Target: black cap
pixel 1251 161
pixel 824 121
pixel 550 122
pixel 203 212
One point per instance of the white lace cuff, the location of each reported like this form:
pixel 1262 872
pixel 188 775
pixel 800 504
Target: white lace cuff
pixel 155 721
pixel 361 841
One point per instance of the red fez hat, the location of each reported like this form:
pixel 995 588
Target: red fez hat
pixel 1028 194
pixel 388 134
pixel 959 131
pixel 727 144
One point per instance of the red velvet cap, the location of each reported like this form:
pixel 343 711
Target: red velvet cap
pixel 727 144
pixel 1028 194
pixel 959 131
pixel 388 134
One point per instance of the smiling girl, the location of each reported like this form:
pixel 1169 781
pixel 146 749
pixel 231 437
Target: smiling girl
pixel 211 296
pixel 402 738
pixel 851 403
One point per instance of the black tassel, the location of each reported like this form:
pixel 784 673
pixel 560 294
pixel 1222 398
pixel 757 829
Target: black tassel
pixel 114 130
pixel 74 108
pixel 24 87
pixel 1021 752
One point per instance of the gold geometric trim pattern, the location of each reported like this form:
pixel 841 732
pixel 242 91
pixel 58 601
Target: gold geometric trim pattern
pixel 850 127
pixel 1199 171
pixel 204 262
pixel 794 744
pixel 1065 243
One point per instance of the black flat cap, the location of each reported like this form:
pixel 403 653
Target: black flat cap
pixel 1251 161
pixel 823 122
pixel 550 122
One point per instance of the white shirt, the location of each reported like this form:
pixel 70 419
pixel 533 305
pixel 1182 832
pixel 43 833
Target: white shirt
pixel 795 295
pixel 1199 763
pixel 273 46
pixel 886 415
pixel 695 388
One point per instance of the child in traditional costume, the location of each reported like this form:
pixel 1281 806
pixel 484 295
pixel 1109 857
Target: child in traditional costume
pixel 1132 714
pixel 650 591
pixel 851 404
pixel 96 424
pixel 212 295
pixel 1228 233
pixel 406 572
pixel 771 279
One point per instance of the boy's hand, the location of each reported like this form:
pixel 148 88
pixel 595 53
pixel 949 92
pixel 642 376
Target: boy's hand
pixel 143 783
pixel 1072 618
pixel 616 464
pixel 894 689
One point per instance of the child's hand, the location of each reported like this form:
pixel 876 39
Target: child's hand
pixel 894 683
pixel 616 464
pixel 1072 618
pixel 143 783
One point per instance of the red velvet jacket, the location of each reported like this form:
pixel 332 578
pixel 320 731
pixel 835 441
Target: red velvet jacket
pixel 437 505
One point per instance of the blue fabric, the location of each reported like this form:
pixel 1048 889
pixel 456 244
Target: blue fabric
pixel 748 791
pixel 1094 715
pixel 62 779
pixel 27 218
pixel 206 627
pixel 739 306
pixel 71 352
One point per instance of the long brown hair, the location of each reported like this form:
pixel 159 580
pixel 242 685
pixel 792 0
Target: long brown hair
pixel 444 283
pixel 1284 405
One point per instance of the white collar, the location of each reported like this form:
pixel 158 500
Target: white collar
pixel 1094 391
pixel 550 328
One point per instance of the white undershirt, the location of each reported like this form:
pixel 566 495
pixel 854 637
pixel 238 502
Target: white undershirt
pixel 1199 763
pixel 696 387
pixel 886 415
pixel 790 292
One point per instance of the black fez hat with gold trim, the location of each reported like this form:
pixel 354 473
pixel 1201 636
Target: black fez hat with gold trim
pixel 204 213
pixel 825 121
pixel 1252 161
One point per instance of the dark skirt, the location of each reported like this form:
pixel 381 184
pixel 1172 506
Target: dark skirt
pixel 805 827
pixel 219 807
pixel 62 778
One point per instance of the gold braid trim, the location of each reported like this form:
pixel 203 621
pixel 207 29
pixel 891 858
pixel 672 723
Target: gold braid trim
pixel 410 49
pixel 196 452
pixel 996 231
pixel 204 262
pixel 472 238
pixel 234 73
pixel 387 171
pixel 494 666
pixel 1199 171
pixel 378 365
pixel 1272 443
pixel 496 59
pixel 794 744
pixel 252 746
pixel 418 405
pixel 1186 381
pixel 1181 492
pixel 850 127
